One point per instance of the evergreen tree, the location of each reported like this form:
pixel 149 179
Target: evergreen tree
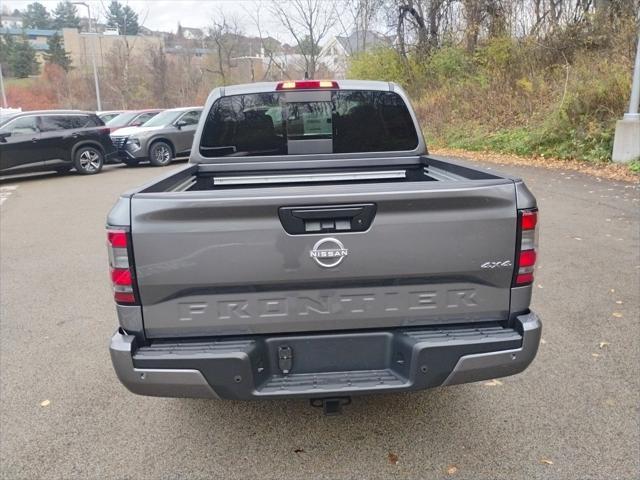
pixel 6 53
pixel 23 59
pixel 36 16
pixel 57 54
pixel 66 16
pixel 123 18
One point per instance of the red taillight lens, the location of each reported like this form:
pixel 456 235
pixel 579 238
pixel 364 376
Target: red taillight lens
pixel 117 238
pixel 124 297
pixel 527 247
pixel 307 85
pixel 529 219
pixel 524 279
pixel 527 258
pixel 121 276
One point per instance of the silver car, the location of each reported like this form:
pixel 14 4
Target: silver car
pixel 165 137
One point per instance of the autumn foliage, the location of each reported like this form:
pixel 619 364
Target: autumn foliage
pixel 35 93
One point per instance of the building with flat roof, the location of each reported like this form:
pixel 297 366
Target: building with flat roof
pixel 80 46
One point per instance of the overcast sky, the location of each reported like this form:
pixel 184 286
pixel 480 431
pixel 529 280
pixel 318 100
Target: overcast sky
pixel 165 14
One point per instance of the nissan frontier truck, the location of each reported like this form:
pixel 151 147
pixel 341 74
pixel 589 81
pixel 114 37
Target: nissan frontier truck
pixel 313 248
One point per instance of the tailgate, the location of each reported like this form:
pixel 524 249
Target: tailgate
pixel 222 263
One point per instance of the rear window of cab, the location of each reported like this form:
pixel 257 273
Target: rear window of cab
pixel 342 121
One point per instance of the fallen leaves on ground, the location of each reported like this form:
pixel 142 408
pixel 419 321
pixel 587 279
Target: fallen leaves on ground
pixel 45 403
pixel 617 314
pixel 493 383
pixel 299 450
pixel 452 470
pixel 603 344
pixel 393 458
pixel 596 355
pixel 546 461
pixel 611 171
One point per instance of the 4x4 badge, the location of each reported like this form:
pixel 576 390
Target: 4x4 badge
pixel 328 252
pixel 499 264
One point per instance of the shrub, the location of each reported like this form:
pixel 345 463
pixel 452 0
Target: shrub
pixel 449 64
pixel 382 64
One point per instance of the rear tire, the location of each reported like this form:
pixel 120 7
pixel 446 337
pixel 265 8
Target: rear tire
pixel 160 154
pixel 88 160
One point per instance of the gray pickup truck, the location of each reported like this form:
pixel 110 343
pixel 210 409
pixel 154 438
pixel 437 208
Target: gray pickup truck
pixel 313 248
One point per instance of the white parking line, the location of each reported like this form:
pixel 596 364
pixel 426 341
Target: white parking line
pixel 5 192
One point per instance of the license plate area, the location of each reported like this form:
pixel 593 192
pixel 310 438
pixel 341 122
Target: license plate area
pixel 330 353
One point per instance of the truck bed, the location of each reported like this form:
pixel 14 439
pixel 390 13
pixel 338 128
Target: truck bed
pixel 249 175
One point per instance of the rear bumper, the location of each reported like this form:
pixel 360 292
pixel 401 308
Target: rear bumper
pixel 325 365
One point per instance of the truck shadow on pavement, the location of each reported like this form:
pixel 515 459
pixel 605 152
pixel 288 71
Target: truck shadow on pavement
pixel 404 424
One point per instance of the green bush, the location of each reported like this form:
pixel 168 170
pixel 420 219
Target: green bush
pixel 449 64
pixel 382 64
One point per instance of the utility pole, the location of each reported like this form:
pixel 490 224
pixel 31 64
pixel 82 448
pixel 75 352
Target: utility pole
pixel 4 97
pixel 626 143
pixel 93 54
pixel 634 102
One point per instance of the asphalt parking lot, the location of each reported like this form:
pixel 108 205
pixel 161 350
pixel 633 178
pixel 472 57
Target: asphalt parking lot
pixel 63 414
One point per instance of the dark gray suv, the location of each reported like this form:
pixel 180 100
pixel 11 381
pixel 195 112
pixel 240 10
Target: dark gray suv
pixel 165 137
pixel 54 140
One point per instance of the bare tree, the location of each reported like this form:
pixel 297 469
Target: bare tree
pixel 419 23
pixel 308 22
pixel 473 17
pixel 225 36
pixel 159 75
pixel 357 17
pixel 496 14
pixel 275 68
pixel 120 59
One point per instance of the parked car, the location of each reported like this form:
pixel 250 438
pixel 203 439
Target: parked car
pixel 132 118
pixel 313 248
pixel 54 140
pixel 165 137
pixel 108 115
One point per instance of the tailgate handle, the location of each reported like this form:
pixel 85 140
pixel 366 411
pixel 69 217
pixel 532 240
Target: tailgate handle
pixel 327 218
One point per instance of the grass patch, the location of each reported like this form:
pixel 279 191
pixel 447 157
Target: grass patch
pixel 518 141
pixel 551 140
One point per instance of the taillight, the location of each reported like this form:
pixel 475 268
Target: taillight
pixel 306 85
pixel 121 276
pixel 527 248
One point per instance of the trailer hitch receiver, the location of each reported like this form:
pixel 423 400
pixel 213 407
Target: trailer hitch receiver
pixel 331 406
